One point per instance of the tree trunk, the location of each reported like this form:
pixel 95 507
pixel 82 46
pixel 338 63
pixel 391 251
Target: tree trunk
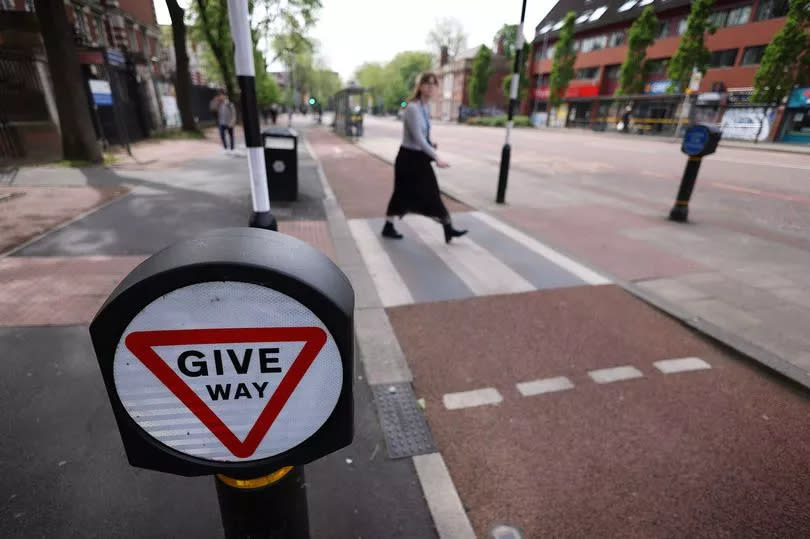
pixel 216 43
pixel 182 82
pixel 78 135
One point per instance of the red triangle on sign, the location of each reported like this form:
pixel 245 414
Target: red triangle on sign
pixel 141 344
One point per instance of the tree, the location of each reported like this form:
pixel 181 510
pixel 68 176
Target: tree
pixel 507 36
pixel 325 82
pixel 633 72
pixel 479 78
pixel 692 52
pixel 182 76
pixel 786 61
pixel 401 73
pixel 76 126
pixel 213 27
pixel 449 33
pixel 371 75
pixel 562 68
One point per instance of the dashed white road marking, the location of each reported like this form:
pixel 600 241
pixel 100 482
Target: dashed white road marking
pixel 468 399
pixel 614 374
pixel 545 385
pixel 686 364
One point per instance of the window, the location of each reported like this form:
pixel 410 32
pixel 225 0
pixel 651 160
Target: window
pixel 682 24
pixel 663 30
pixel 582 18
pixel 616 38
pixel 594 43
pixel 740 15
pixel 577 44
pixel 544 30
pixel 627 5
pixel 100 37
pixel 645 3
pixel 598 12
pixel 558 25
pixel 724 58
pixel 752 55
pixel 543 80
pixel 29 6
pixel 612 72
pixel 587 73
pixel 770 9
pixel 80 25
pixel 656 67
pixel 719 18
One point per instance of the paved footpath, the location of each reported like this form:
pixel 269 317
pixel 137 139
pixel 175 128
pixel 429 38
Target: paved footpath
pixel 64 469
pixel 560 404
pixel 737 272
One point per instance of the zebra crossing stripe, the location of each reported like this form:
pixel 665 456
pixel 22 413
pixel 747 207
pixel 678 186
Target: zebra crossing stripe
pixel 480 270
pixel 390 286
pixel 584 273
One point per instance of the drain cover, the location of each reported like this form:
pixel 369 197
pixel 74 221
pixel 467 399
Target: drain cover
pixel 404 427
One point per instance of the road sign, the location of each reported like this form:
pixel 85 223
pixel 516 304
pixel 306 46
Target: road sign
pixel 230 353
pixel 695 140
pixel 102 94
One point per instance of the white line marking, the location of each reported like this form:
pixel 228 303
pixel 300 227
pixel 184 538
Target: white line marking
pixel 686 364
pixel 615 374
pixel 478 268
pixel 581 271
pixel 390 286
pixel 546 385
pixel 468 399
pixel 442 498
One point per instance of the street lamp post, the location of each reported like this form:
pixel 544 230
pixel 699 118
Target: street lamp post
pixel 513 99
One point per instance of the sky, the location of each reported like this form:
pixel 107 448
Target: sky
pixel 345 42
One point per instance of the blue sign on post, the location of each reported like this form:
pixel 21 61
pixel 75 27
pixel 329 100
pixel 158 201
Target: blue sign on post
pixel 102 94
pixel 695 140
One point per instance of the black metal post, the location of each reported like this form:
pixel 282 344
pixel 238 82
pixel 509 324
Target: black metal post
pixel 503 174
pixel 277 510
pixel 680 211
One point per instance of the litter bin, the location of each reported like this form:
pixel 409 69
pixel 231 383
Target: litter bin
pixel 281 162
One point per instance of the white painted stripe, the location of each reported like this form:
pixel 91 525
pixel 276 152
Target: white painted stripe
pixel 583 272
pixel 239 19
pixel 390 286
pixel 468 399
pixel 545 385
pixel 258 180
pixel 669 366
pixel 448 514
pixel 478 268
pixel 615 374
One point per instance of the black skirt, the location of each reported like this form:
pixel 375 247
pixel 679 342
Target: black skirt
pixel 416 189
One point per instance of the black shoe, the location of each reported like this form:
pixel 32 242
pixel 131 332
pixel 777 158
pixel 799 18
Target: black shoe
pixel 389 231
pixel 450 233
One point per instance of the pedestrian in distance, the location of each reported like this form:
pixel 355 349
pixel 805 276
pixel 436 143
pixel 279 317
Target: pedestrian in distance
pixel 416 189
pixel 624 123
pixel 226 117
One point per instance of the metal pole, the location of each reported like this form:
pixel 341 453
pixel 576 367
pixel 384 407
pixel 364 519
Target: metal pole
pixel 273 506
pixel 680 211
pixel 513 99
pixel 245 75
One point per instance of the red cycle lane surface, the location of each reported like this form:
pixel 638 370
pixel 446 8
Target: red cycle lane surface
pixel 716 452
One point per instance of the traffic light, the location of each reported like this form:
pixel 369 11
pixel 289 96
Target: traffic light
pixel 403 104
pixel 312 101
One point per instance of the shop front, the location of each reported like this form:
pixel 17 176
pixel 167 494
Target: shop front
pixel 796 126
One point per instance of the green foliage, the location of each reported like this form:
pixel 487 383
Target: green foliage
pixel 479 78
pixel 786 61
pixel 692 52
pixel 562 70
pixel 401 73
pixel 325 84
pixel 371 75
pixel 633 72
pixel 498 121
pixel 508 36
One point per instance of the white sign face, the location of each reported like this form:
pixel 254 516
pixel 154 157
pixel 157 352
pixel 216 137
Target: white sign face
pixel 99 86
pixel 228 371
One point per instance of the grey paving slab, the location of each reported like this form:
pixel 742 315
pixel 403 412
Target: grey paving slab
pixel 379 349
pixel 747 298
pixel 365 293
pixel 673 289
pixel 722 314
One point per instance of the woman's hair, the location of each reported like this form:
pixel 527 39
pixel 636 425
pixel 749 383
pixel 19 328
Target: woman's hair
pixel 427 76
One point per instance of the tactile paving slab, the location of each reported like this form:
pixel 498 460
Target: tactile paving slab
pixel 403 423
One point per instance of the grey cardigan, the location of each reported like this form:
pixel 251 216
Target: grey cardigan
pixel 416 126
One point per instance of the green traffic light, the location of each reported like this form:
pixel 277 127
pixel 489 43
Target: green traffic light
pixel 311 100
pixel 403 104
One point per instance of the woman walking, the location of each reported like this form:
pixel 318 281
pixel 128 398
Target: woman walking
pixel 416 189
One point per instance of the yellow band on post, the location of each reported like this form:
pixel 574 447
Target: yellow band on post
pixel 681 203
pixel 259 482
pixel 695 158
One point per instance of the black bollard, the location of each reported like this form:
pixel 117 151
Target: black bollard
pixel 269 507
pixel 680 211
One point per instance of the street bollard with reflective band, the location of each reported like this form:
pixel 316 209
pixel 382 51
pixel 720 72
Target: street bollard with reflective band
pixel 698 141
pixel 232 353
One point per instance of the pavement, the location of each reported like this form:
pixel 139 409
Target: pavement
pixel 508 386
pixel 65 471
pixel 737 271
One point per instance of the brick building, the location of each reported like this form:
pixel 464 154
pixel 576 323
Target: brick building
pixel 120 53
pixel 745 27
pixel 454 76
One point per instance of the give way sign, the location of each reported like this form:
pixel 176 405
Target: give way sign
pixel 202 371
